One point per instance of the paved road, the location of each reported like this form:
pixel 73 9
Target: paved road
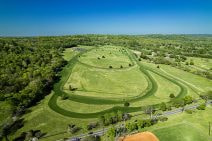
pixel 167 113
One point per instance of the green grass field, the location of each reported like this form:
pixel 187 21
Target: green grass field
pixel 185 127
pixel 106 56
pixel 202 63
pixel 109 84
pixel 100 89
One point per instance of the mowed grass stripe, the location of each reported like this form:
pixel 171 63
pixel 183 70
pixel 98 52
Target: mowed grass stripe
pixel 151 89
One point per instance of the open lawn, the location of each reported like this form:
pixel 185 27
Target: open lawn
pixel 92 89
pixel 106 83
pixel 185 127
pixel 106 56
pixel 202 63
pixel 41 117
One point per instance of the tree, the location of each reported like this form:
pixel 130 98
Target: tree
pixel 188 100
pixel 148 110
pixel 92 125
pixel 102 120
pixel 163 106
pixel 191 62
pixel 120 115
pixel 92 138
pixel 108 119
pixel 172 95
pixel 178 103
pixel 110 67
pixel 163 118
pixel 126 104
pixel 64 96
pixel 111 133
pixel 147 123
pixel 140 124
pixel 201 107
pixel 131 126
pixel 114 117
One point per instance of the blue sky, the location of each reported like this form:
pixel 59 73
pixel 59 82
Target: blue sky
pixel 65 17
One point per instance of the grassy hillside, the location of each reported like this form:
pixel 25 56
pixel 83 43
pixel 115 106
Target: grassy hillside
pixel 185 127
pixel 99 89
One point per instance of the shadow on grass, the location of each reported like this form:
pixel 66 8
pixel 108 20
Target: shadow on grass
pixel 51 135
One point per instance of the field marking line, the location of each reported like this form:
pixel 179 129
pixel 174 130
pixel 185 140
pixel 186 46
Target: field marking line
pixel 182 80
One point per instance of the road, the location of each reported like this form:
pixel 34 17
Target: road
pixel 167 113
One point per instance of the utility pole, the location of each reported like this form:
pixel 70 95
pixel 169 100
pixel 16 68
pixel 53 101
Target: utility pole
pixel 209 129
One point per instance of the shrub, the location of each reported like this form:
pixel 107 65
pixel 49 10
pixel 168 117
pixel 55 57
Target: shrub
pixel 92 138
pixel 92 125
pixel 72 88
pixel 110 67
pixel 188 100
pixel 139 59
pixel 201 107
pixel 103 56
pixel 191 63
pixel 130 65
pixel 178 103
pixel 207 95
pixel 172 95
pixel 147 123
pixel 72 128
pixel 111 133
pixel 169 108
pixel 126 116
pixel 75 129
pixel 126 104
pixel 140 123
pixel 64 97
pixel 163 118
pixel 120 115
pixel 163 106
pixel 189 111
pixel 121 66
pixel 111 118
pixel 131 126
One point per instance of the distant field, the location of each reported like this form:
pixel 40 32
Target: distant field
pixel 106 56
pixel 202 63
pixel 99 89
